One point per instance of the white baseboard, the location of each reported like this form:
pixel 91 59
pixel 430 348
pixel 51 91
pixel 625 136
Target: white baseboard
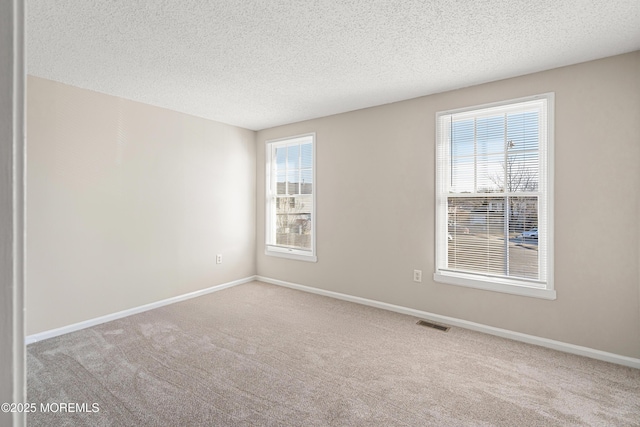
pixel 505 333
pixel 124 313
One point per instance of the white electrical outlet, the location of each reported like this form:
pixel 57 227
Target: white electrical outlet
pixel 219 259
pixel 417 275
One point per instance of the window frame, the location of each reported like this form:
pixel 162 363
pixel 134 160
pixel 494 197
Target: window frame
pixel 272 249
pixel 542 288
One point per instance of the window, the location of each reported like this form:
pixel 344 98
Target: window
pixel 290 192
pixel 494 227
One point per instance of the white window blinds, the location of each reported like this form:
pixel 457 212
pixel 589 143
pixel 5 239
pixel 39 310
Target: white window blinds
pixel 492 219
pixel 290 218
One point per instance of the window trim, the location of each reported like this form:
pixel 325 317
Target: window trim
pixel 283 251
pixel 529 288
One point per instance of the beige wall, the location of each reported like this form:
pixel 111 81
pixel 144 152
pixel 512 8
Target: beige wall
pixel 128 204
pixel 375 218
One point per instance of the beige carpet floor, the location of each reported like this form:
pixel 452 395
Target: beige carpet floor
pixel 262 355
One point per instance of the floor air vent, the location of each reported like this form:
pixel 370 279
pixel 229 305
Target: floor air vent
pixel 433 325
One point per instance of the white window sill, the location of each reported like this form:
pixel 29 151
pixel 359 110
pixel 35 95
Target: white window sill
pixel 290 254
pixel 494 284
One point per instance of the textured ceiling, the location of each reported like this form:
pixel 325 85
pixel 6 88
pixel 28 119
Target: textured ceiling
pixel 259 64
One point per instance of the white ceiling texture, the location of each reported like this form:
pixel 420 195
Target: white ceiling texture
pixel 263 63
